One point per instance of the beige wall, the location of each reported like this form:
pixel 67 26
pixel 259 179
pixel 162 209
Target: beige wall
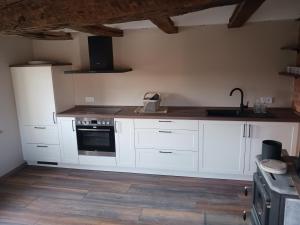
pixel 12 50
pixel 197 67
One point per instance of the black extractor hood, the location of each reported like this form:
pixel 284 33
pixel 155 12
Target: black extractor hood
pixel 101 56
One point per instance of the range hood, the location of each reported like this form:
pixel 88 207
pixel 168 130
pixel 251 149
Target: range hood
pixel 101 56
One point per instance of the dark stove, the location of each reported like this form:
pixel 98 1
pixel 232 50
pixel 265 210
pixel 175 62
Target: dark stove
pixel 273 195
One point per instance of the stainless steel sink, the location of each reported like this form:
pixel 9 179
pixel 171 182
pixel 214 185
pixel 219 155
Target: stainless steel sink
pixel 237 113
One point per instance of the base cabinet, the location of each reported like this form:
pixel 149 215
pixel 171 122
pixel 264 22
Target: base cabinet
pixel 286 133
pixel 223 147
pixel 124 138
pixel 68 140
pixel 186 161
pixel 41 153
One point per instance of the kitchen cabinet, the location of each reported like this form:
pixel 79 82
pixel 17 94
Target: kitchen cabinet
pixel 68 140
pixel 41 91
pixel 124 137
pixel 286 133
pixel 223 147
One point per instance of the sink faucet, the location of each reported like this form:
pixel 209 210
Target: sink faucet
pixel 242 106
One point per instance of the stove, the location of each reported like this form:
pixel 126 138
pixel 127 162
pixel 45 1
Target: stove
pixel 272 196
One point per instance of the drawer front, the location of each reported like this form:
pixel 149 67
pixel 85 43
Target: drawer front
pixel 40 134
pixel 177 124
pixel 167 160
pixel 177 140
pixel 166 124
pixel 46 153
pixel 145 138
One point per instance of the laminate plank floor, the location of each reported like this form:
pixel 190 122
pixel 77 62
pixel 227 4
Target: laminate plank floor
pixel 54 196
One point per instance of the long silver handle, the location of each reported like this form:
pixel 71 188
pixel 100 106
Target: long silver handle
pixel 244 130
pixel 101 130
pixel 165 132
pixel 163 152
pixel 249 130
pixel 116 128
pixel 42 146
pixel 165 121
pixel 54 117
pixel 40 128
pixel 73 125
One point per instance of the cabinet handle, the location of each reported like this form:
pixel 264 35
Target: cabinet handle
pixel 73 126
pixel 163 152
pixel 40 128
pixel 165 121
pixel 53 117
pixel 116 129
pixel 249 131
pixel 246 191
pixel 244 131
pixel 165 132
pixel 42 146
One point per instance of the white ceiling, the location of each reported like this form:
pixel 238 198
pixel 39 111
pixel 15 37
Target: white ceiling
pixel 270 10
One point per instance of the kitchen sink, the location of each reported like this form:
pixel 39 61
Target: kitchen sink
pixel 237 113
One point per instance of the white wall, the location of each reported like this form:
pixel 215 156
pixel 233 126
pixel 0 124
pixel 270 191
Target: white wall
pixel 12 50
pixel 196 67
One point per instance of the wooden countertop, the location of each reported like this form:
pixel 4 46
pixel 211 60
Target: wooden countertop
pixel 190 113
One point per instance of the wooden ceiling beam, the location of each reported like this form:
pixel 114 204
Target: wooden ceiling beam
pixel 46 35
pixel 33 14
pixel 243 12
pixel 99 30
pixel 165 24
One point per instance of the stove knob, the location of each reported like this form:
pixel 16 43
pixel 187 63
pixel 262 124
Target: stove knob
pixel 103 122
pixel 78 122
pixel 107 123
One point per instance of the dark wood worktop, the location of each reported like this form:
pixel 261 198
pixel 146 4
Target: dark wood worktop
pixel 190 113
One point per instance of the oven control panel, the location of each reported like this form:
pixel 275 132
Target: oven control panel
pixel 95 122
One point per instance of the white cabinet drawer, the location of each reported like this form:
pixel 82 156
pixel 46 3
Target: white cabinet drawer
pixel 97 161
pixel 166 124
pixel 167 160
pixel 45 153
pixel 40 134
pixel 177 140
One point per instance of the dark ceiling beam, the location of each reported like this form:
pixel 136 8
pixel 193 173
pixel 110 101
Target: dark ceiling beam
pixel 243 12
pixel 33 14
pixel 165 24
pixel 46 35
pixel 99 30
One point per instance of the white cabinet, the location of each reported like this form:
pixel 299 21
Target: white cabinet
pixel 286 133
pixel 223 147
pixel 167 144
pixel 40 92
pixel 68 140
pixel 34 95
pixel 185 161
pixel 124 137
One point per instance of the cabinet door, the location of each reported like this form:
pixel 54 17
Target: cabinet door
pixel 124 135
pixel 223 147
pixel 68 140
pixel 286 133
pixel 34 95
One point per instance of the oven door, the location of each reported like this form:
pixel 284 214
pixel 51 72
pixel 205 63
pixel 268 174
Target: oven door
pixel 261 201
pixel 96 140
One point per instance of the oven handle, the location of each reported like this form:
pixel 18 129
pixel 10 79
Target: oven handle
pixel 96 130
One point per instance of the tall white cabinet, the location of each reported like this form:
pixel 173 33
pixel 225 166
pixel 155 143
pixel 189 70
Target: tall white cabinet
pixel 40 93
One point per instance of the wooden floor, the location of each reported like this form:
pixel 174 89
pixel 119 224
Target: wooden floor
pixel 44 196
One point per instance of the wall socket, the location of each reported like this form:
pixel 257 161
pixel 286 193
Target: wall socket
pixel 267 100
pixel 89 99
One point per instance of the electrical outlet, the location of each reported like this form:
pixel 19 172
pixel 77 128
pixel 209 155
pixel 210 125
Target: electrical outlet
pixel 269 100
pixel 262 100
pixel 89 99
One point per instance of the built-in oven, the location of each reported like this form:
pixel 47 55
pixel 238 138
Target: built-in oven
pixel 96 137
